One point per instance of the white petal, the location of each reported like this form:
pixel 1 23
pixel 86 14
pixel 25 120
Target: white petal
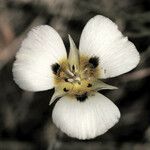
pixel 32 68
pixel 101 38
pixel 85 120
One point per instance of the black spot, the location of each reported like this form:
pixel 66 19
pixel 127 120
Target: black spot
pixel 79 83
pixel 55 68
pixel 82 97
pixel 89 85
pixel 65 90
pixel 66 80
pixel 94 61
pixel 73 67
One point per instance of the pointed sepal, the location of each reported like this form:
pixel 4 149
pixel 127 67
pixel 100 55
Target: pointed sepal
pixel 57 94
pixel 73 57
pixel 100 85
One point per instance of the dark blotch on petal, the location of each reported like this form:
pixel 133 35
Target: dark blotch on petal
pixel 55 68
pixel 89 85
pixel 66 80
pixel 73 67
pixel 65 90
pixel 94 61
pixel 82 97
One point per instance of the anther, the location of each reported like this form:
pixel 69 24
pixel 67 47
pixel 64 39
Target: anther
pixel 55 68
pixel 70 80
pixel 94 61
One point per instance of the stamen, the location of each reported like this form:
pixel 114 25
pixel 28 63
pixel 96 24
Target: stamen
pixel 94 61
pixel 68 72
pixel 70 80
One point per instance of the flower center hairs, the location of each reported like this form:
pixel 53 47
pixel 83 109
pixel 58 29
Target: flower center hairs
pixel 77 80
pixel 77 76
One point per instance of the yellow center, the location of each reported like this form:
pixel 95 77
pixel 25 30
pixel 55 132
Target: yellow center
pixel 76 82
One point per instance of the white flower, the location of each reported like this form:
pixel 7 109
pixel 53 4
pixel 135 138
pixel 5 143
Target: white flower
pixel 42 64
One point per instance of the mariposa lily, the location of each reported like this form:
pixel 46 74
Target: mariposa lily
pixel 42 64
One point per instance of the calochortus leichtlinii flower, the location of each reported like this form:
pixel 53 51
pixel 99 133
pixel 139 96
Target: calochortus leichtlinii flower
pixel 42 64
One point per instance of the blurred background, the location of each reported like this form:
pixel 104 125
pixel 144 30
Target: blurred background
pixel 25 117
